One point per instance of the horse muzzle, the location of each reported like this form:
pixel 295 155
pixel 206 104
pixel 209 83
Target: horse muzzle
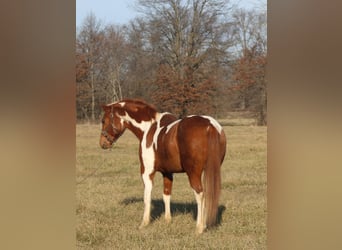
pixel 106 141
pixel 105 145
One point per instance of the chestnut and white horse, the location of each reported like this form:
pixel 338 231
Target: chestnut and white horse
pixel 195 145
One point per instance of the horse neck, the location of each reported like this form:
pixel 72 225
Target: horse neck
pixel 138 128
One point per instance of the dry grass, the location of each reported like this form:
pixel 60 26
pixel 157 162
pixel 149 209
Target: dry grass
pixel 110 202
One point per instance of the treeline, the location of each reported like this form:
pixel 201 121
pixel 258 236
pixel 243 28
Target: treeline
pixel 185 57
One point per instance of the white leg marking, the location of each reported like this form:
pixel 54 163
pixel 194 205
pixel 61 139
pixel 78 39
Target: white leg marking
pixel 200 224
pixel 166 199
pixel 147 200
pixel 148 161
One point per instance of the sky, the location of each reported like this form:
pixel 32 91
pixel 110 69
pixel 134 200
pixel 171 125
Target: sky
pixel 121 11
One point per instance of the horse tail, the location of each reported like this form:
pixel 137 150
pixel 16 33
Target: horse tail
pixel 212 175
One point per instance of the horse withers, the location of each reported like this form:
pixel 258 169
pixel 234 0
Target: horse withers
pixel 195 145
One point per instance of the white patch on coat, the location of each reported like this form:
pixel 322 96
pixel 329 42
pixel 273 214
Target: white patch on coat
pixel 159 116
pixel 147 152
pixel 110 104
pixel 171 125
pixel 143 125
pixel 213 122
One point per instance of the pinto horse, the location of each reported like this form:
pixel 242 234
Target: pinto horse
pixel 195 145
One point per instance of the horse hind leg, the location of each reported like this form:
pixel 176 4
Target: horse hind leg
pixel 200 222
pixel 196 185
pixel 168 178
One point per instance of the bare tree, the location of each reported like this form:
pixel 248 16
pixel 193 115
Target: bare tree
pixel 250 30
pixel 187 36
pixel 114 54
pixel 142 60
pixel 250 67
pixel 185 56
pixel 88 48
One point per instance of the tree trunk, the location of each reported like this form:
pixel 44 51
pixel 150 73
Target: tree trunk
pixel 92 97
pixel 262 117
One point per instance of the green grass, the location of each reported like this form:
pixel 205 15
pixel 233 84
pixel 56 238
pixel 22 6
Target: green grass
pixel 109 203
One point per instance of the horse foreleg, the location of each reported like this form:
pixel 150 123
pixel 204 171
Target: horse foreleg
pixel 168 178
pixel 147 179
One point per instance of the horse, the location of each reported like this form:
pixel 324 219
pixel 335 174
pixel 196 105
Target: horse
pixel 194 144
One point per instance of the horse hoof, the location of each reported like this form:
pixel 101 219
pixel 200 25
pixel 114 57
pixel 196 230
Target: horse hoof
pixel 142 225
pixel 199 230
pixel 168 220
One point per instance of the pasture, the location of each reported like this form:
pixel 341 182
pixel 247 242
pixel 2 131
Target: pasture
pixel 109 203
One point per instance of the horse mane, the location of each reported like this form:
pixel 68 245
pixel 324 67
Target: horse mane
pixel 139 109
pixel 140 103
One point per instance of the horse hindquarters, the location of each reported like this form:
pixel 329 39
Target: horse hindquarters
pixel 202 148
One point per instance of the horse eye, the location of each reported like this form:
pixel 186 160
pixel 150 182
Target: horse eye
pixel 103 121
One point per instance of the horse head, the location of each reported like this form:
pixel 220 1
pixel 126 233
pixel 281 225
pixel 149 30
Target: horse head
pixel 112 126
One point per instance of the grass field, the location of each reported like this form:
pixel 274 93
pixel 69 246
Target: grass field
pixel 109 203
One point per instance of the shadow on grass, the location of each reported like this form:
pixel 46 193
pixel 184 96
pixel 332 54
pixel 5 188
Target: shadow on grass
pixel 176 208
